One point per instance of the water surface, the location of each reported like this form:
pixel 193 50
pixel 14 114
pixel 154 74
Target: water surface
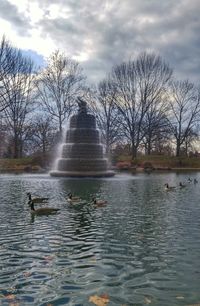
pixel 142 248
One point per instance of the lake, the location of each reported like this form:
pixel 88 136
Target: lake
pixel 142 248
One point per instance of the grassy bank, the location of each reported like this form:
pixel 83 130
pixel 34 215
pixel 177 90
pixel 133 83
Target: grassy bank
pixel 158 162
pixel 162 162
pixel 27 164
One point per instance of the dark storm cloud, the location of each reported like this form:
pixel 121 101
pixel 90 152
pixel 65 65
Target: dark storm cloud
pixel 111 31
pixel 10 13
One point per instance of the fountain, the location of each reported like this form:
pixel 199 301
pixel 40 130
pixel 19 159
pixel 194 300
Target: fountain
pixel 82 152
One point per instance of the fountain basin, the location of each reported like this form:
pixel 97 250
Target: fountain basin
pixel 97 174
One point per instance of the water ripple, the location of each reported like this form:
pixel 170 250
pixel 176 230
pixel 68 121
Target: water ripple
pixel 142 248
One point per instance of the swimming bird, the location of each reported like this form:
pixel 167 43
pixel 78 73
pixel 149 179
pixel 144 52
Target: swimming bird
pixel 76 202
pixel 195 181
pixel 72 198
pixel 42 210
pixel 98 202
pixel 169 188
pixel 181 185
pixel 36 200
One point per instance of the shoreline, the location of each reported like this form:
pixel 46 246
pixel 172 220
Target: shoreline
pixel 169 169
pixel 117 171
pixel 157 170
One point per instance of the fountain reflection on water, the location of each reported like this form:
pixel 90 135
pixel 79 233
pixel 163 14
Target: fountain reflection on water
pixel 81 153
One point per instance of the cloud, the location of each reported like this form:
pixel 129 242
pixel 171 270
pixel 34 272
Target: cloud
pixel 11 14
pixel 102 33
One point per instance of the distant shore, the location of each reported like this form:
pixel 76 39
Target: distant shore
pixel 176 169
pixel 24 165
pixel 155 170
pixel 147 164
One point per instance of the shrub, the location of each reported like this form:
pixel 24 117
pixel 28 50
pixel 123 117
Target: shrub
pixel 147 165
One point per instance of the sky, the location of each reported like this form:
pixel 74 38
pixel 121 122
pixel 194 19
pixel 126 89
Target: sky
pixel 102 33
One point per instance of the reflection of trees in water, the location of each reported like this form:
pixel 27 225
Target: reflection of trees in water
pixel 150 209
pixel 82 221
pixel 150 224
pixel 133 223
pixel 12 203
pixel 81 216
pixel 80 233
pixel 136 223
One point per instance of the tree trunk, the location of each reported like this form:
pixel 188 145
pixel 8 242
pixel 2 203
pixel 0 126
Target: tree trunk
pixel 60 126
pixel 134 152
pixel 177 148
pixel 43 147
pixel 186 148
pixel 20 154
pixel 148 147
pixel 16 147
pixel 107 147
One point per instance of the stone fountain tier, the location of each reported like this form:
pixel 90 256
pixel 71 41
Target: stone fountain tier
pixel 82 120
pixel 82 135
pixel 85 164
pixel 82 152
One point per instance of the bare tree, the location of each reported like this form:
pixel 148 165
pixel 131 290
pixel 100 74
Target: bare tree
pixel 189 143
pixel 8 57
pixel 156 126
pixel 58 85
pixel 43 133
pixel 162 141
pixel 107 114
pixel 139 84
pixel 18 87
pixel 4 137
pixel 184 101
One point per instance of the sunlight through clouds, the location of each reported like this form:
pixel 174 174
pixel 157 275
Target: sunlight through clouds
pixel 56 11
pixel 35 12
pixel 22 5
pixel 81 57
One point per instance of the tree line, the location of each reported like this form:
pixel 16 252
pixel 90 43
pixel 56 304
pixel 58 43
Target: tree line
pixel 139 106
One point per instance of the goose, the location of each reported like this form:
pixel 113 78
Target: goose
pixel 181 185
pixel 42 210
pixel 76 202
pixel 169 188
pixel 98 202
pixel 36 200
pixel 73 200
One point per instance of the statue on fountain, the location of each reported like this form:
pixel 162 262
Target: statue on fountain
pixel 82 105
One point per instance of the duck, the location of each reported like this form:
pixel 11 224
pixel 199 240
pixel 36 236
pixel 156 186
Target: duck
pixel 42 210
pixel 36 200
pixel 98 202
pixel 169 188
pixel 181 185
